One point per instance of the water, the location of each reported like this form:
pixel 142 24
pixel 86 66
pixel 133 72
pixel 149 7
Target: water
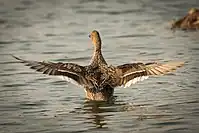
pixel 131 31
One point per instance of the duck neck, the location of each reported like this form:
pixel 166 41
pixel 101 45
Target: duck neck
pixel 97 49
pixel 97 56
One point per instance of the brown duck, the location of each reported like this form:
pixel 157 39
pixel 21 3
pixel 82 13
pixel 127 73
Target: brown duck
pixel 190 21
pixel 98 78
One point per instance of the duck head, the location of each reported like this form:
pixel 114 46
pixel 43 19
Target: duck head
pixel 192 11
pixel 95 38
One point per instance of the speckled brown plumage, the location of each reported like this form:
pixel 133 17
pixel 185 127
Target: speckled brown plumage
pixel 190 21
pixel 98 78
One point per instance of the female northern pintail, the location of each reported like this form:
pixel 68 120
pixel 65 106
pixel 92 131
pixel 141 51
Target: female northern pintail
pixel 98 78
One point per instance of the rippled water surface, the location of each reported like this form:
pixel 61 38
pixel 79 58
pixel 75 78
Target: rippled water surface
pixel 131 31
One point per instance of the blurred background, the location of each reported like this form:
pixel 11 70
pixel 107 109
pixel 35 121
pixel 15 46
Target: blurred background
pixel 131 31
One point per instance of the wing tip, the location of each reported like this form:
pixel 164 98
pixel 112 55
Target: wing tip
pixel 16 57
pixel 182 63
pixel 177 63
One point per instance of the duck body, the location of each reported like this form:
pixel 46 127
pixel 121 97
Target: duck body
pixel 101 79
pixel 98 78
pixel 188 22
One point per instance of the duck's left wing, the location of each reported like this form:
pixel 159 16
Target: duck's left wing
pixel 132 73
pixel 68 71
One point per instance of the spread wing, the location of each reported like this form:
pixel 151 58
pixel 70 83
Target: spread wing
pixel 132 73
pixel 68 71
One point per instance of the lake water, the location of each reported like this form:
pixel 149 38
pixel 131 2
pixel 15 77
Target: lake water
pixel 131 31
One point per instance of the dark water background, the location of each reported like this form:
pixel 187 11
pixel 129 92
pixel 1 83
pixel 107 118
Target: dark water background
pixel 132 31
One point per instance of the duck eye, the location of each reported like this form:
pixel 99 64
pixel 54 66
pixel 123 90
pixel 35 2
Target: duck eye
pixel 89 36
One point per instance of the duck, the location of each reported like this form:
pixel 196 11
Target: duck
pixel 98 78
pixel 188 22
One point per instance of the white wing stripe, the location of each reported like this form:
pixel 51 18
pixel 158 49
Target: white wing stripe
pixel 135 80
pixel 133 72
pixel 68 80
pixel 60 70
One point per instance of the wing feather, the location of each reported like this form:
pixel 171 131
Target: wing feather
pixel 68 71
pixel 135 72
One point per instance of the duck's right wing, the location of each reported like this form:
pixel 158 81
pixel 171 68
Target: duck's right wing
pixel 132 73
pixel 68 71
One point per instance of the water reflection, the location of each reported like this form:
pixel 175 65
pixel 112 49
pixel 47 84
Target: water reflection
pixel 98 112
